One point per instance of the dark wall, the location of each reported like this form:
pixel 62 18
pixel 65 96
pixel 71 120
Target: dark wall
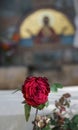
pixel 11 11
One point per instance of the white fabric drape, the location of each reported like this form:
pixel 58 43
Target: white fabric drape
pixel 12 110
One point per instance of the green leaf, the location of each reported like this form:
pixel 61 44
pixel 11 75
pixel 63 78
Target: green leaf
pixel 56 86
pixel 47 127
pixel 73 126
pixel 67 121
pixel 53 122
pixel 24 102
pixel 65 127
pixel 67 124
pixel 47 104
pixel 40 107
pixel 75 119
pixel 27 109
pixel 16 90
pixel 56 128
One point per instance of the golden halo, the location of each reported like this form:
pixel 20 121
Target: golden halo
pixel 49 15
pixel 34 22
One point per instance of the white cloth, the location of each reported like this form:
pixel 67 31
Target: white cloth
pixel 12 110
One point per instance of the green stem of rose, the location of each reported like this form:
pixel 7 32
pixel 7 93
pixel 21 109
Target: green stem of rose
pixel 36 113
pixel 34 127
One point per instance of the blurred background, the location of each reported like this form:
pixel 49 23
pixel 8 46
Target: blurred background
pixel 39 38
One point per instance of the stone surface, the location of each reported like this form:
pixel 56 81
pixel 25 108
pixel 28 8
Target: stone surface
pixel 13 77
pixel 67 76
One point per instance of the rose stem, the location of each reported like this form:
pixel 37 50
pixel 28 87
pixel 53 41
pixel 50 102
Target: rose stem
pixel 34 127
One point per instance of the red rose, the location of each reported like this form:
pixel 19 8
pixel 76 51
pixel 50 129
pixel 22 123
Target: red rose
pixel 35 90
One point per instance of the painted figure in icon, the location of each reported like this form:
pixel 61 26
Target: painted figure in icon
pixel 47 33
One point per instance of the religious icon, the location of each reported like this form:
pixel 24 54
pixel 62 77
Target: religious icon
pixel 49 24
pixel 46 33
